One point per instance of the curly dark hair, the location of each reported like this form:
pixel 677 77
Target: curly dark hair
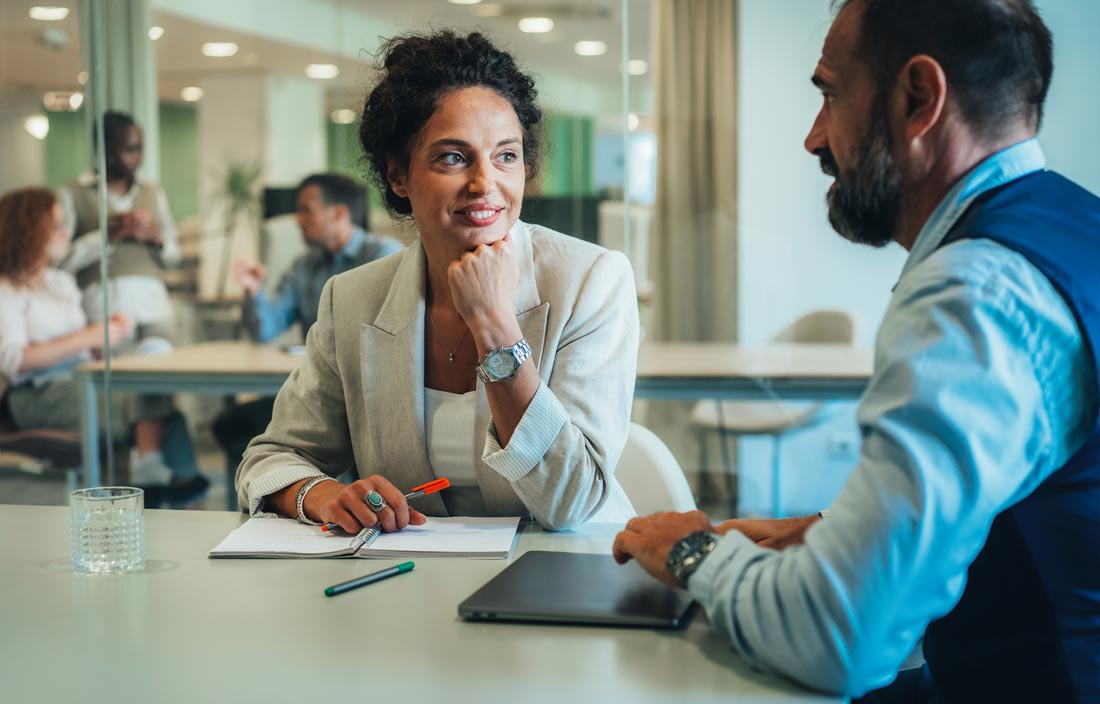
pixel 419 70
pixel 25 231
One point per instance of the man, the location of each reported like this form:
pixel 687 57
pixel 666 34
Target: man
pixel 973 516
pixel 330 209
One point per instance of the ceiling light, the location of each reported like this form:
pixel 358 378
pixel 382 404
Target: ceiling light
pixel 637 67
pixel 63 100
pixel 156 32
pixel 489 9
pixel 37 126
pixel 323 71
pixel 464 2
pixel 48 13
pixel 590 48
pixel 632 122
pixel 219 50
pixel 82 77
pixel 536 25
pixel 191 94
pixel 343 116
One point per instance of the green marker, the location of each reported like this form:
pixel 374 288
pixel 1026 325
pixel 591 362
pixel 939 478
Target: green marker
pixel 368 579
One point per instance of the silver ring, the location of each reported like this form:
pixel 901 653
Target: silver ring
pixel 374 501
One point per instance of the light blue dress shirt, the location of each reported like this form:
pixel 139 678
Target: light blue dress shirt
pixel 973 403
pixel 299 292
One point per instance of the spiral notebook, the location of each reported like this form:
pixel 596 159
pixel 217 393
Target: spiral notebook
pixel 486 538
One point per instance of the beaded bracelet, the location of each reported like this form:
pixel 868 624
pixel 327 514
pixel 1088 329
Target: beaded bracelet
pixel 300 499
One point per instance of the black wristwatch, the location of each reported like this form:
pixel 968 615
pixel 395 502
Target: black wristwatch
pixel 688 553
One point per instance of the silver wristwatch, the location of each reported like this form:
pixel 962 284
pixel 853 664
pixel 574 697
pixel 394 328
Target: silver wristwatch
pixel 502 363
pixel 688 553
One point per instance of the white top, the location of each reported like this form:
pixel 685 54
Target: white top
pixel 143 298
pixel 35 314
pixel 449 429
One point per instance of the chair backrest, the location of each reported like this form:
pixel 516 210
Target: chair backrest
pixel 821 326
pixel 651 476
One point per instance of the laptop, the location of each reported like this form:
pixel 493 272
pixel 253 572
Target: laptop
pixel 579 588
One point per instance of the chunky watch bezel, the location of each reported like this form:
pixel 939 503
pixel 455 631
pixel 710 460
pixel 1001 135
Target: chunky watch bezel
pixel 517 354
pixel 688 553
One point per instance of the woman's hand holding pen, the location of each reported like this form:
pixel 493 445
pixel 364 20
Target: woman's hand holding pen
pixel 332 502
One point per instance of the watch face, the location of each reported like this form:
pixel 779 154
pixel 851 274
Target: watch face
pixel 501 364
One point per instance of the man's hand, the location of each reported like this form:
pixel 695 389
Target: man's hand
pixel 250 274
pixel 649 540
pixel 136 226
pixel 776 534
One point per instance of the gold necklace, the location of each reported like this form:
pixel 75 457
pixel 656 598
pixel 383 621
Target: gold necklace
pixel 450 352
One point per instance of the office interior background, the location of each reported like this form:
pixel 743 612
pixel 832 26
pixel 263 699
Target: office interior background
pixel 674 128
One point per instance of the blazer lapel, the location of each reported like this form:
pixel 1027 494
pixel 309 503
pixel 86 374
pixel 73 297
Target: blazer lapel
pixel 395 400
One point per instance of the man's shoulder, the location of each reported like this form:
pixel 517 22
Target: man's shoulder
pixel 375 246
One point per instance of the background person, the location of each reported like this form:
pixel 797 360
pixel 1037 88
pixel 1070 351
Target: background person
pixel 390 384
pixel 44 334
pixel 330 210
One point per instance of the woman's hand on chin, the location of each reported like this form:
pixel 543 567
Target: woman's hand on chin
pixel 483 287
pixel 333 502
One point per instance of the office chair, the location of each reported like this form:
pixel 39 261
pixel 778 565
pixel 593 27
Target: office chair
pixel 778 419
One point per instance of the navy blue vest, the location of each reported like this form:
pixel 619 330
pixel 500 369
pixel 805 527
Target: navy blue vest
pixel 1027 628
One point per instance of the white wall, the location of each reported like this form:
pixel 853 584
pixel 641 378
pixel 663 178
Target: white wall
pixel 790 259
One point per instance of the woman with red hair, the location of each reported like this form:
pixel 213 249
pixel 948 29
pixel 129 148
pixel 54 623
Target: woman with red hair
pixel 44 334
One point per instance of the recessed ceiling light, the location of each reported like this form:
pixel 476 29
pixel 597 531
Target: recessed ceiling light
pixel 63 100
pixel 322 71
pixel 637 67
pixel 464 2
pixel 587 47
pixel 82 77
pixel 219 50
pixel 37 126
pixel 156 32
pixel 489 9
pixel 343 116
pixel 536 25
pixel 191 94
pixel 48 13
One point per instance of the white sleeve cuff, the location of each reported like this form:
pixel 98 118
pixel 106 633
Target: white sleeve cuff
pixel 275 480
pixel 537 430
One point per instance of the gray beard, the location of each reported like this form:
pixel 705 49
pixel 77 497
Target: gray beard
pixel 864 204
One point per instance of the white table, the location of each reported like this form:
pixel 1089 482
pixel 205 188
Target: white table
pixel 191 629
pixel 680 371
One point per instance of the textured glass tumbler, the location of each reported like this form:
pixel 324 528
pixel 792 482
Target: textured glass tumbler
pixel 108 529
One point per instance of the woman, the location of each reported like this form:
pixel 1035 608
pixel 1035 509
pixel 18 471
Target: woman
pixel 44 334
pixel 497 354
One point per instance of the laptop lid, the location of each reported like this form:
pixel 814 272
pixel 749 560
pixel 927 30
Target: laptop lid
pixel 567 587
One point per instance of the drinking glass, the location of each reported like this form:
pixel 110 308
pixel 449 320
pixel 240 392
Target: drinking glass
pixel 108 529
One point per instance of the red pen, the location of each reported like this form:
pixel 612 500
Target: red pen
pixel 417 491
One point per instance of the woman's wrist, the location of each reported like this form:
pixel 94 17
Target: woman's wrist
pixel 491 331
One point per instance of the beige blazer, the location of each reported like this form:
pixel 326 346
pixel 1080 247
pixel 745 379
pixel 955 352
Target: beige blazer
pixel 357 399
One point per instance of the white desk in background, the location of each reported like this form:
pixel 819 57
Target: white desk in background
pixel 190 629
pixel 677 371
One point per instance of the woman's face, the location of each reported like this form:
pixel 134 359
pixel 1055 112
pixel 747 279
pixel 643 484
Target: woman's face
pixel 60 235
pixel 466 173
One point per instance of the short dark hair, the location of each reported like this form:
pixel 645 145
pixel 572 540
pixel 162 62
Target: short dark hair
pixel 419 70
pixel 997 54
pixel 336 188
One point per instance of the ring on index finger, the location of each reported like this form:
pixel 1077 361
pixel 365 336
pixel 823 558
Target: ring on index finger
pixel 374 501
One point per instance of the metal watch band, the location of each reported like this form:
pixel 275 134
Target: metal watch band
pixel 688 553
pixel 300 499
pixel 521 352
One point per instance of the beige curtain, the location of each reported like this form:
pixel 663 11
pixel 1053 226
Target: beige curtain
pixel 694 236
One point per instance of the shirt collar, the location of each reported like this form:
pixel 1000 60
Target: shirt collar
pixel 353 246
pixel 1007 165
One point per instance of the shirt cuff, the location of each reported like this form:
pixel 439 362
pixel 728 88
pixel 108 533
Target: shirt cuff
pixel 276 480
pixel 731 557
pixel 537 430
